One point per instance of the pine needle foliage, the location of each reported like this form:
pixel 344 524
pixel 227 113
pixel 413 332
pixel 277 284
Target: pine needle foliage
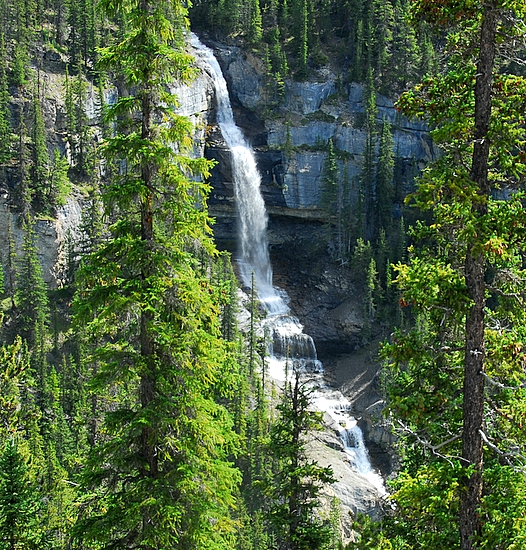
pixel 160 474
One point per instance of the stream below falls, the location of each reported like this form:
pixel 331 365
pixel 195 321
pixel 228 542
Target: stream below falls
pixel 289 345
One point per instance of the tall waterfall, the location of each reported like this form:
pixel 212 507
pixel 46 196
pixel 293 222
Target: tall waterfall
pixel 288 341
pixel 252 215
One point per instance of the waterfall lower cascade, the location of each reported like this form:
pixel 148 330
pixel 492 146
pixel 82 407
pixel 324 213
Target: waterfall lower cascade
pixel 289 344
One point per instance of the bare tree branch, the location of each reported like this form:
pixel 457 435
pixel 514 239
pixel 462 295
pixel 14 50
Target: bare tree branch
pixel 502 386
pixel 433 448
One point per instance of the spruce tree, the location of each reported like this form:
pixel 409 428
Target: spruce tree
pixel 367 174
pixel 147 308
pixel 455 379
pixel 20 505
pixel 384 179
pixel 39 169
pixel 333 202
pixel 31 295
pixel 255 31
pixel 294 490
pixel 5 116
pixel 381 45
pixel 23 191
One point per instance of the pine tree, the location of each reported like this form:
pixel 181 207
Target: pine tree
pixel 452 375
pixel 59 20
pixel 59 184
pixel 148 310
pixel 300 31
pixel 333 201
pixel 381 47
pixel 11 263
pixel 19 503
pixel 23 28
pixel 297 481
pixel 5 117
pixel 405 60
pixel 31 296
pixel 39 169
pixel 384 179
pixel 15 364
pixel 255 31
pixel 367 174
pixel 23 191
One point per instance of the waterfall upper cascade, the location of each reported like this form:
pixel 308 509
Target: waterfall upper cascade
pixel 288 343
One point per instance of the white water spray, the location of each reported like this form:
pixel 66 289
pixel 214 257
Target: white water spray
pixel 288 341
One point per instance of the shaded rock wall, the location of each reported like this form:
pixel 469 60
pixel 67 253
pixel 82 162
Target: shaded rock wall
pixel 311 113
pixel 51 238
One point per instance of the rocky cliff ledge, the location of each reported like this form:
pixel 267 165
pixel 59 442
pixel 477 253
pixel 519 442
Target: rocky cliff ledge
pixel 290 139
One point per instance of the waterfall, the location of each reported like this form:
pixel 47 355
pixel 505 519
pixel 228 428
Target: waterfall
pixel 288 342
pixel 252 215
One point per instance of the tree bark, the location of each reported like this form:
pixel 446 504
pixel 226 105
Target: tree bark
pixel 474 359
pixel 147 382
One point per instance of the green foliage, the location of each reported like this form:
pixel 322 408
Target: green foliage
pixel 15 365
pixel 255 31
pixel 59 183
pixel 294 490
pixel 20 504
pixel 5 123
pixel 31 295
pixel 450 376
pixel 78 129
pixel 39 158
pixel 384 178
pixel 358 35
pixel 148 313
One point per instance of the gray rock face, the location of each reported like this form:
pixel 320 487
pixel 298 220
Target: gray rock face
pixel 354 492
pixel 307 97
pixel 51 238
pixel 311 134
pixel 303 180
pixel 244 75
pixel 312 113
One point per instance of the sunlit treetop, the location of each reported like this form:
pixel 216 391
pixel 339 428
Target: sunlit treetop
pixel 448 13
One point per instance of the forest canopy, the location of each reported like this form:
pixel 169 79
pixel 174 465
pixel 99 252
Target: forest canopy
pixel 134 411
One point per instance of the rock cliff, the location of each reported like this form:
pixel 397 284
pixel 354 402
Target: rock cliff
pixel 290 139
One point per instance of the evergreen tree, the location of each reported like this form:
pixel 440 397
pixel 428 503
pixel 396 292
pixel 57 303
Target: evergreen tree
pixel 297 481
pixel 15 364
pixel 59 184
pixel 405 59
pixel 384 179
pixel 39 169
pixel 330 180
pixel 300 32
pixel 148 309
pixel 5 116
pixel 78 129
pixel 23 191
pixel 59 20
pixel 23 14
pixel 333 202
pixel 31 296
pixel 255 31
pixel 367 174
pixel 11 263
pixel 381 45
pixel 455 380
pixel 19 503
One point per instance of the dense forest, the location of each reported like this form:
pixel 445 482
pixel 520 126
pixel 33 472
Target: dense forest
pixel 134 411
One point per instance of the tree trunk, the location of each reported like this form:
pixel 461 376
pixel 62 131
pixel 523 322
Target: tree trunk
pixel 147 383
pixel 473 403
